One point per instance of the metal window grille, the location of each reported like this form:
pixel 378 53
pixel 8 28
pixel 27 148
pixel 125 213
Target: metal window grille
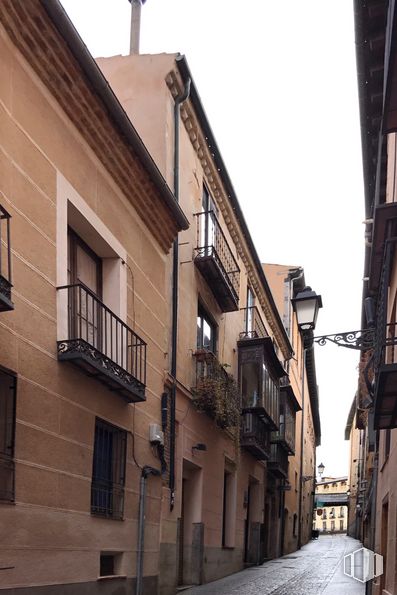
pixel 7 435
pixel 108 470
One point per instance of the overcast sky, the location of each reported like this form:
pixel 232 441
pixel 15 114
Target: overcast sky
pixel 278 83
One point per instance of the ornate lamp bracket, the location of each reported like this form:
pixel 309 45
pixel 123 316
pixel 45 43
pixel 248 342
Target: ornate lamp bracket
pixel 361 340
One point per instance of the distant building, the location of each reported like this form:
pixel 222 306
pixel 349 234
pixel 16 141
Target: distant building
pixel 331 510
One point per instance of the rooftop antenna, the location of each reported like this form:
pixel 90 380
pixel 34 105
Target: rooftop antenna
pixel 135 30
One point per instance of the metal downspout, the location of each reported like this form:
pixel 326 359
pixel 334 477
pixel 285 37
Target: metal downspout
pixel 175 273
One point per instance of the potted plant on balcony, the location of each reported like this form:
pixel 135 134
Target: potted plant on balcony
pixel 216 393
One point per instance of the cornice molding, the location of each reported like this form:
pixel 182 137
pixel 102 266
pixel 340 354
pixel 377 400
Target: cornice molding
pixel 214 181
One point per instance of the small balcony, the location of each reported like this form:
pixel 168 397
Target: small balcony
pixel 278 461
pixel 253 324
pixel 215 261
pixel 101 344
pixel 215 391
pixel 255 436
pixel 5 261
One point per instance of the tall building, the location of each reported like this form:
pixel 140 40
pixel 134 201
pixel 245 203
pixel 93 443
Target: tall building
pixel 375 414
pixel 150 421
pixel 83 331
pixel 225 502
pixel 297 502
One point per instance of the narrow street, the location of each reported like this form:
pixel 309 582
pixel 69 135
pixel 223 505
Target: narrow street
pixel 316 568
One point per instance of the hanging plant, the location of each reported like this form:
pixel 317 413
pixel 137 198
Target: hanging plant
pixel 216 393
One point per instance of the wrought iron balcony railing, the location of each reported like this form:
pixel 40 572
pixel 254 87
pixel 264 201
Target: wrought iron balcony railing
pixel 253 324
pixel 5 261
pixel 278 461
pixel 215 261
pixel 255 436
pixel 101 344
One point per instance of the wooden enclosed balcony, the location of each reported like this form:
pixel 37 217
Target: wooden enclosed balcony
pixel 260 372
pixel 386 380
pixel 215 261
pixel 385 351
pixel 101 344
pixel 278 461
pixel 255 436
pixel 5 261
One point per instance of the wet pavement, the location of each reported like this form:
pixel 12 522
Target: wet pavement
pixel 316 568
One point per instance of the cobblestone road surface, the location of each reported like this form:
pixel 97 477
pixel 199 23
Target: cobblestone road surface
pixel 315 569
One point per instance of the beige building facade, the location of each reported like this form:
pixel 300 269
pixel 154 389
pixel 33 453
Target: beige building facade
pixel 286 282
pixel 229 521
pixel 151 415
pixel 83 337
pixel 331 505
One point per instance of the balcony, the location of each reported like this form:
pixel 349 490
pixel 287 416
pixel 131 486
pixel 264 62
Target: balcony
pixel 215 261
pixel 385 352
pixel 255 436
pixel 215 391
pixel 278 461
pixel 5 261
pixel 288 408
pixel 101 344
pixel 260 372
pixel 253 324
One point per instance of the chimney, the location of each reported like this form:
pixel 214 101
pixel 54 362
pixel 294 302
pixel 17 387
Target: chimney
pixel 135 25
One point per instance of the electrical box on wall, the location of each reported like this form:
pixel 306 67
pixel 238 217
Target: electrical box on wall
pixel 156 436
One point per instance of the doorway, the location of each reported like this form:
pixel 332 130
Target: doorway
pixel 191 529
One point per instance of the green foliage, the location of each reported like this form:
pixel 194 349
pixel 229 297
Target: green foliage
pixel 216 393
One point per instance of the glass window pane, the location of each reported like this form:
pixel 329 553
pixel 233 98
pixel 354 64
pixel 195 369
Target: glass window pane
pixel 250 388
pixel 207 335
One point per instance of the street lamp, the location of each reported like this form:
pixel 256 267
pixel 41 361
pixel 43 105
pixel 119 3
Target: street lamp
pixel 306 305
pixel 320 469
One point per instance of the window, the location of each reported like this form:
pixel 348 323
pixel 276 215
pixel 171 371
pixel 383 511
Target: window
pixel 108 470
pixel 295 525
pixel 324 513
pixel 7 434
pixel 341 525
pixel 332 515
pixel 110 564
pixel 249 319
pixel 208 230
pixel 206 331
pixel 85 268
pixel 332 525
pixel 324 525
